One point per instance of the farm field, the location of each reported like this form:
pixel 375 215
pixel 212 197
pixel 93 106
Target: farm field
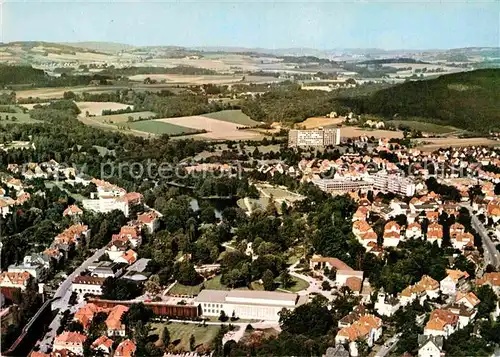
pixel 425 127
pixel 122 118
pixel 180 333
pixel 188 79
pixel 353 131
pixel 216 129
pixel 432 144
pixel 316 122
pixel 232 116
pixel 58 92
pixel 31 106
pixel 159 128
pixel 96 108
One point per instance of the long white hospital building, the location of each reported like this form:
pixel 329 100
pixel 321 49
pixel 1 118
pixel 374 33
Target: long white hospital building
pixel 246 304
pixel 317 137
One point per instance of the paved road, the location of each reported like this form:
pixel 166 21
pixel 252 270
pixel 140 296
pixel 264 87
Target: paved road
pixel 66 284
pixel 391 343
pixel 314 284
pixel 491 254
pixel 62 295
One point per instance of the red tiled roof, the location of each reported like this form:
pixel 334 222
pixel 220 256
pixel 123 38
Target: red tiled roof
pixel 15 278
pixel 125 349
pixel 103 341
pixel 114 319
pixel 70 338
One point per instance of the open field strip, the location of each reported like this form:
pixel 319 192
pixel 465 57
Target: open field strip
pixel 232 116
pixel 123 118
pixel 159 128
pixel 96 108
pixel 432 144
pixel 216 129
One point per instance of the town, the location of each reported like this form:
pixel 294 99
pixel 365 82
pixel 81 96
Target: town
pixel 249 178
pixel 406 259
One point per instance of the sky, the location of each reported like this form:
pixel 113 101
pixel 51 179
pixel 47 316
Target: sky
pixel 402 24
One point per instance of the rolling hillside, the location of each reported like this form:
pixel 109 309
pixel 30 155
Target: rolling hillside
pixel 468 100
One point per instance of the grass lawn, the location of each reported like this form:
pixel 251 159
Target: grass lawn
pixel 180 289
pixel 123 118
pixel 21 118
pixel 215 284
pixel 232 116
pixel 180 333
pixel 299 284
pixel 158 127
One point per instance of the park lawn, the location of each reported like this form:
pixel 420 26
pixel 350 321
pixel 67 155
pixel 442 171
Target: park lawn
pixel 215 284
pixel 180 289
pixel 158 127
pixel 232 116
pixel 180 333
pixel 123 118
pixel 298 285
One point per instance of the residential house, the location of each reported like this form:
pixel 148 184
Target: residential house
pixel 414 230
pixel 103 344
pixel 113 322
pixel 132 233
pixel 86 313
pixel 492 279
pixel 430 346
pixel 126 348
pixel 15 280
pixel 456 229
pixel 72 211
pixel 455 279
pixel 386 305
pixel 435 233
pixel 71 236
pixel 353 316
pixel 72 341
pixel 392 234
pixel 465 314
pixel 441 323
pixel 116 248
pixel 469 299
pixel 432 216
pixel 425 288
pixel 150 219
pixel 129 257
pixel 367 328
pixel 463 240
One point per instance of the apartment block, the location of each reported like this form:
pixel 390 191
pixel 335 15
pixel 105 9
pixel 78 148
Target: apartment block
pixel 314 138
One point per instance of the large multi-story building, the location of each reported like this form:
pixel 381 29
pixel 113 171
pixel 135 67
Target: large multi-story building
pixel 316 137
pixel 343 185
pixel 259 305
pixel 393 183
pixel 381 181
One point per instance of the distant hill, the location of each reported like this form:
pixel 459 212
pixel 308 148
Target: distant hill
pixel 394 60
pixel 468 100
pixel 48 46
pixel 107 47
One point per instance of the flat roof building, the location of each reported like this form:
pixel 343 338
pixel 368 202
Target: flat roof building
pixel 316 137
pixel 258 305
